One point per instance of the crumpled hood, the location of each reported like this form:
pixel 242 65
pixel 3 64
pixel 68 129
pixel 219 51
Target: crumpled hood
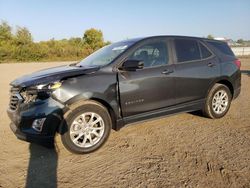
pixel 51 75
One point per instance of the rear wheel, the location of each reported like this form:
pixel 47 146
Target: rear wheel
pixel 87 127
pixel 217 102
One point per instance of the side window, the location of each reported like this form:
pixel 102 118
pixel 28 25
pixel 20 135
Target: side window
pixel 205 53
pixel 152 54
pixel 187 50
pixel 222 47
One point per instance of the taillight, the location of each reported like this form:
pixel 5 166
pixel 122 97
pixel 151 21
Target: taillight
pixel 237 63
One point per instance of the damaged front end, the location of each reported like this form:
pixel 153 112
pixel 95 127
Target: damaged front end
pixel 35 115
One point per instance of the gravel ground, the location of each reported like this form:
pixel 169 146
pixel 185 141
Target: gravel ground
pixel 184 150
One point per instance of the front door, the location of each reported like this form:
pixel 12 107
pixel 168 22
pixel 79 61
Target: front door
pixel 149 88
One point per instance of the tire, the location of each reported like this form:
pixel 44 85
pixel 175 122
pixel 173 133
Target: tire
pixel 213 101
pixel 86 127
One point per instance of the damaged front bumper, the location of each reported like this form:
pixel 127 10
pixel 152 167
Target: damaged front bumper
pixel 26 121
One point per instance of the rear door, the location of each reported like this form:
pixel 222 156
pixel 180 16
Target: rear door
pixel 149 88
pixel 195 68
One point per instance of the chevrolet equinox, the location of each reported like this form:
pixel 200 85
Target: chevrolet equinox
pixel 122 83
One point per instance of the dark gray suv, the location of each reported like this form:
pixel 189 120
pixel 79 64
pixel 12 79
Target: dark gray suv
pixel 121 83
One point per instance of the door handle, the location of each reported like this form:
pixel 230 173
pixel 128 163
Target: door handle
pixel 211 64
pixel 167 71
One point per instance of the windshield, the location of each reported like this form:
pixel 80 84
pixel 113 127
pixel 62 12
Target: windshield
pixel 105 55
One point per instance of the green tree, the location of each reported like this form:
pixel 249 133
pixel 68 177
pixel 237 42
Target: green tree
pixel 5 32
pixel 23 36
pixel 210 36
pixel 240 41
pixel 107 43
pixel 25 49
pixel 6 40
pixel 20 46
pixel 75 41
pixel 93 39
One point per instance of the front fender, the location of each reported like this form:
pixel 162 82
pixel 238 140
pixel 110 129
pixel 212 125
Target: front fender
pixel 101 87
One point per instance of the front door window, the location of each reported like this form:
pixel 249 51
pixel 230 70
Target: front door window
pixel 153 54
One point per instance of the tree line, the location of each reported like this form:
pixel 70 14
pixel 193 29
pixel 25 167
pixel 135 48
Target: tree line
pixel 19 46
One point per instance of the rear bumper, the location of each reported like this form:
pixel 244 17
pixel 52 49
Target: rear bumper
pixel 237 92
pixel 23 117
pixel 237 85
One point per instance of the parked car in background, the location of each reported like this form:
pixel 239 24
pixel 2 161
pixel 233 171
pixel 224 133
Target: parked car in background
pixel 122 83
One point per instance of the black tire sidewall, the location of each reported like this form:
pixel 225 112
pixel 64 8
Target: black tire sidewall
pixel 98 109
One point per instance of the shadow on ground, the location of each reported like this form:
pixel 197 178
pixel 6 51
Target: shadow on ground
pixel 247 72
pixel 42 169
pixel 197 113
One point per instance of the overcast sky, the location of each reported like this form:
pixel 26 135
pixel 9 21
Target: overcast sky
pixel 123 19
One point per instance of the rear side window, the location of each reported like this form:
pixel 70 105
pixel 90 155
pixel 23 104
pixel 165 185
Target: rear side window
pixel 187 50
pixel 222 47
pixel 205 53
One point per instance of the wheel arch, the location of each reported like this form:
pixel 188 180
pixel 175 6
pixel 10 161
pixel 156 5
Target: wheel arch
pixel 228 84
pixel 109 108
pixel 79 99
pixel 225 81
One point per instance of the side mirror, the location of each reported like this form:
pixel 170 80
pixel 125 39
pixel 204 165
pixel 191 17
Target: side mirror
pixel 132 65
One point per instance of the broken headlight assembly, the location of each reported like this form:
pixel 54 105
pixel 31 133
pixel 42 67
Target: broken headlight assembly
pixel 39 92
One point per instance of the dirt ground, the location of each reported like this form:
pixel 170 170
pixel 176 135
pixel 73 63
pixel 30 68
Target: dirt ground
pixel 184 150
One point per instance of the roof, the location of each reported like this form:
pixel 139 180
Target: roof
pixel 160 36
pixel 134 40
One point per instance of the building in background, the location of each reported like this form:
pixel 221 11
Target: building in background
pixel 230 42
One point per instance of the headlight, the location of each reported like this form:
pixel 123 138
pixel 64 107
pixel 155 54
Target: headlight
pixel 51 86
pixel 41 91
pixel 55 85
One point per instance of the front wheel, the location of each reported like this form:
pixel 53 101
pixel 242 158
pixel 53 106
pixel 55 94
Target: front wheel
pixel 217 102
pixel 87 127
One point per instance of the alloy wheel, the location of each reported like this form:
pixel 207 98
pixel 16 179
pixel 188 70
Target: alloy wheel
pixel 87 129
pixel 220 101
